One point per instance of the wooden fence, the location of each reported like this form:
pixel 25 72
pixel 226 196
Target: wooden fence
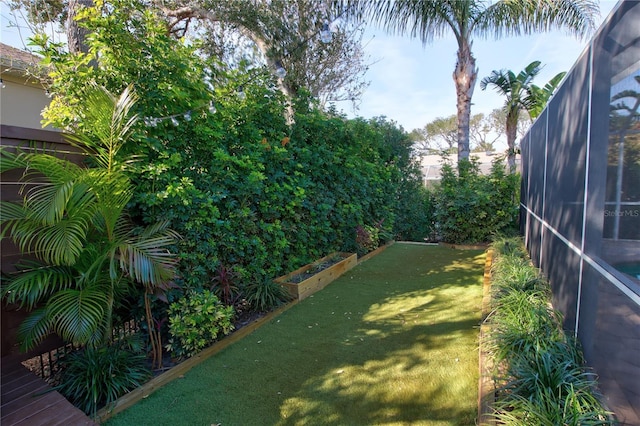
pixel 12 137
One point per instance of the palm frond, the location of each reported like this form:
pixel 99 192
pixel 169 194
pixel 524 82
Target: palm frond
pixel 76 314
pixel 499 79
pixel 38 167
pixel 56 213
pixel 51 203
pixel 528 73
pixel 113 191
pixel 41 167
pixel 160 228
pixel 536 98
pixel 60 243
pixel 110 122
pixel 516 17
pixel 35 283
pixel 146 258
pixel 10 213
pixel 426 19
pixel 10 160
pixel 34 329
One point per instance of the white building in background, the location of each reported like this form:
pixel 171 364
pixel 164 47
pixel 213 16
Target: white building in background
pixel 431 165
pixel 22 97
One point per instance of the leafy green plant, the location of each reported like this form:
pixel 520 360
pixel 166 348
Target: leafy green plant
pixel 366 238
pixel 266 294
pixel 577 408
pixel 95 377
pixel 540 371
pixel 523 324
pixel 195 321
pixel 471 207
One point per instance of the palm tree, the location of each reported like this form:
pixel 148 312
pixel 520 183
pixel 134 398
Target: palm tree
pixel 74 220
pixel 539 96
pixel 430 19
pixel 520 95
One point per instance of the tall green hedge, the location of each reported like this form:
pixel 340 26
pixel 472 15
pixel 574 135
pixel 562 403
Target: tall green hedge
pixel 217 158
pixel 471 207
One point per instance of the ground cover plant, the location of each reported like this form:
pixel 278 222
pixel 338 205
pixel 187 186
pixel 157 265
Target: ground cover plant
pixel 393 341
pixel 540 371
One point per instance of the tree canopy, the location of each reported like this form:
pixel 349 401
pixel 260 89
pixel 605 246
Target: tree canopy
pixel 466 19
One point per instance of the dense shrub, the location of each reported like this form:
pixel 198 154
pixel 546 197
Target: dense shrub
pixel 471 207
pixel 415 212
pixel 413 203
pixel 195 321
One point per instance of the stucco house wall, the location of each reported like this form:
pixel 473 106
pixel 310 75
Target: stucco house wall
pixel 22 97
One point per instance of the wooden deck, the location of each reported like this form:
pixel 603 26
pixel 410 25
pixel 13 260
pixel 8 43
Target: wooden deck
pixel 26 399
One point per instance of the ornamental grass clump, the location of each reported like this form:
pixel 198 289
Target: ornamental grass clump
pixel 266 295
pixel 540 372
pixel 94 377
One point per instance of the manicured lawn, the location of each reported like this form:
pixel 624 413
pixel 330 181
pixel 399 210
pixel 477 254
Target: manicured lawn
pixel 392 342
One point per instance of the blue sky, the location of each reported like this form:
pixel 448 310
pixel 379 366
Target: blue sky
pixel 412 84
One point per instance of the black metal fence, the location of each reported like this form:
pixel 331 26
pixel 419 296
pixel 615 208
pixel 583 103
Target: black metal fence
pixel 581 205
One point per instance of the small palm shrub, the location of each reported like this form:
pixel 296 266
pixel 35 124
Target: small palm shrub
pixel 95 377
pixel 75 219
pixel 540 371
pixel 267 294
pixel 195 321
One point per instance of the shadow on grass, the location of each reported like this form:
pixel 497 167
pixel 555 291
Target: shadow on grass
pixel 394 341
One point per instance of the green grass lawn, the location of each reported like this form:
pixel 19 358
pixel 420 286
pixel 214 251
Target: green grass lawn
pixel 392 342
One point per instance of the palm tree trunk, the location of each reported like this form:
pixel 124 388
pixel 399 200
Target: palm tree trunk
pixel 154 338
pixel 512 128
pixel 464 76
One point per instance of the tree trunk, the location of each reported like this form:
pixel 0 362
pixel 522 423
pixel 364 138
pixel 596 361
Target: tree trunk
pixel 512 128
pixel 154 335
pixel 464 76
pixel 76 35
pixel 264 48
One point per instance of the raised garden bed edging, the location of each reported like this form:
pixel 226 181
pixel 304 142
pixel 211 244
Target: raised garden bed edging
pixel 375 252
pixel 486 386
pixel 305 288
